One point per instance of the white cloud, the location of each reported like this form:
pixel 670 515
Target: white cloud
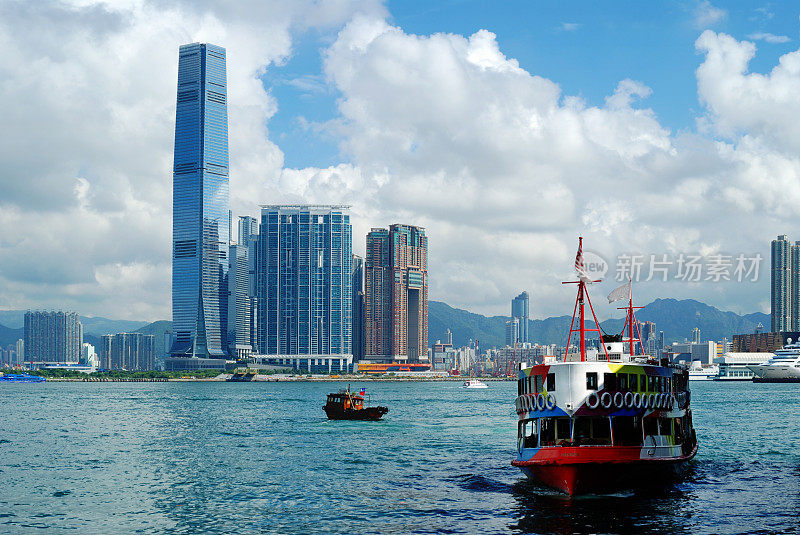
pixel 569 26
pixel 443 131
pixel 706 15
pixel 769 37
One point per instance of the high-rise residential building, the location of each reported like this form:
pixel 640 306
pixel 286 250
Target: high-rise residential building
pixel 200 213
pixel 781 288
pixel 52 337
pixel 520 309
pixel 396 294
pixel 448 337
pixel 357 289
pixel 128 351
pixel 20 347
pixel 248 237
pixel 239 302
pixel 303 286
pixel 512 331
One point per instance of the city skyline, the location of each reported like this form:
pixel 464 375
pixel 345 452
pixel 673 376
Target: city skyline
pixel 700 165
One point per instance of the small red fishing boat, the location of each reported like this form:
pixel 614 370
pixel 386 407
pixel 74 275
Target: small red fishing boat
pixel 346 405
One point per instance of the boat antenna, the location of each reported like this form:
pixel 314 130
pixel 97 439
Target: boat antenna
pixel 631 320
pixel 583 296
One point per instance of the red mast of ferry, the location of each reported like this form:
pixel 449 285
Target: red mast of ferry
pixel 583 295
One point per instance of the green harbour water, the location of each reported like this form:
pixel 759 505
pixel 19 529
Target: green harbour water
pixel 261 457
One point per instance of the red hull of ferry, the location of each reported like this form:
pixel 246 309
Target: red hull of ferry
pixel 572 471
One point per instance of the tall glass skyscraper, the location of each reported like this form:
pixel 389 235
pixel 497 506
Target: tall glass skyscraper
pixel 520 309
pixel 303 286
pixel 200 223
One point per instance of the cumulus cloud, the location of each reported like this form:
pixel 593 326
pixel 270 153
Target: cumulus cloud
pixel 444 131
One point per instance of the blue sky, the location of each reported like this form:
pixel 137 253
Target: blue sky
pixel 585 47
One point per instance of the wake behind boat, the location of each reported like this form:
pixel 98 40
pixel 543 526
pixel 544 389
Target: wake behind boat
pixel 601 421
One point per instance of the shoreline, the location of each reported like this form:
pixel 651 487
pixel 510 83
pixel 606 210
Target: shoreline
pixel 270 379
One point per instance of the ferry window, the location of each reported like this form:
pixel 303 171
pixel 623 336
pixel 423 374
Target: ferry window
pixel 592 431
pixel 678 431
pixel 530 385
pixel 547 432
pixel 651 384
pixel 538 384
pixel 669 385
pixel 643 383
pixel 609 381
pixel 528 433
pixel 622 380
pixel 650 426
pixel 563 431
pixel 551 382
pixel 591 380
pixel 664 426
pixel 627 430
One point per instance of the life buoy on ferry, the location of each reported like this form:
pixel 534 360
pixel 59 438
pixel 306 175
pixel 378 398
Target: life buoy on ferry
pixel 531 402
pixel 672 401
pixel 606 400
pixel 662 401
pixel 540 399
pixel 629 399
pixel 523 402
pixel 652 403
pixel 619 400
pixel 637 400
pixel 592 400
pixel 551 402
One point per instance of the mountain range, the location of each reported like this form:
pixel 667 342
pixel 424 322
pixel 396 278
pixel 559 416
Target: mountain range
pixel 675 317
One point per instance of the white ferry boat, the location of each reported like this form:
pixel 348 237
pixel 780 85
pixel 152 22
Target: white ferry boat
pixel 785 364
pixel 698 372
pixel 474 383
pixel 602 421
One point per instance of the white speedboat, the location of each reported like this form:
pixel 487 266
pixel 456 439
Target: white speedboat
pixel 785 364
pixel 474 383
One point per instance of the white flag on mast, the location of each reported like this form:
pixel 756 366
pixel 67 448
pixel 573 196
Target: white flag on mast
pixel 623 292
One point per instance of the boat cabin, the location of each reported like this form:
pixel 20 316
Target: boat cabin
pixel 347 400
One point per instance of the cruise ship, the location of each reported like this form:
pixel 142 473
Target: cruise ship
pixel 604 419
pixel 784 365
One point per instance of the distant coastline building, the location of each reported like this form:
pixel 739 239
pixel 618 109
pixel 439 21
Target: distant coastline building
pixel 785 285
pixel 357 289
pixel 52 337
pixel 396 294
pixel 200 214
pixel 520 309
pixel 128 351
pixel 303 287
pixel 512 332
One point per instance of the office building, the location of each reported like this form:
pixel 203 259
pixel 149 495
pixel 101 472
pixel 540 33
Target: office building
pixel 20 351
pixel 248 237
pixel 357 289
pixel 200 213
pixel 696 335
pixel 303 287
pixel 396 294
pixel 781 285
pixel 52 336
pixel 512 332
pixel 239 302
pixel 520 309
pixel 128 351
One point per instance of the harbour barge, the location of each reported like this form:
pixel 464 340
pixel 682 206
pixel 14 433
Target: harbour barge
pixel 601 420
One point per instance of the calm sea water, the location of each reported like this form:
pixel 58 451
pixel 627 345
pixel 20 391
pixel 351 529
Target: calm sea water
pixel 261 457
